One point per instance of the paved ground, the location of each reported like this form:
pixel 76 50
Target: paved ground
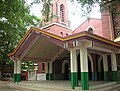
pixel 5 86
pixel 55 86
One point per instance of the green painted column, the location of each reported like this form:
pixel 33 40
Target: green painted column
pixel 84 68
pixel 18 75
pixel 47 76
pixel 73 66
pixel 47 72
pixel 114 67
pixel 50 71
pixel 106 76
pixel 105 64
pixel 15 71
pixel 51 76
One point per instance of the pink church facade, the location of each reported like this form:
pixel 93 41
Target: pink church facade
pixel 95 25
pixel 87 53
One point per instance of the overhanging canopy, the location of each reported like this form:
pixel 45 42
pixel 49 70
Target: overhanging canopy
pixel 40 45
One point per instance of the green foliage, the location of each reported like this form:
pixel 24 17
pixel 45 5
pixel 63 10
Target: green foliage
pixel 26 66
pixel 110 6
pixel 14 19
pixel 46 9
pixel 87 5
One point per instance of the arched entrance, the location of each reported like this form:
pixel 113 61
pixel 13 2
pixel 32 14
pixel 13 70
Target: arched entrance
pixel 89 69
pixel 109 68
pixel 79 68
pixel 66 71
pixel 100 72
pixel 90 66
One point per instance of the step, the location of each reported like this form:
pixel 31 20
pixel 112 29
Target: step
pixel 103 85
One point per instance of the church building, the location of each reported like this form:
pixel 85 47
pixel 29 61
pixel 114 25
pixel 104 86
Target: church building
pixel 87 53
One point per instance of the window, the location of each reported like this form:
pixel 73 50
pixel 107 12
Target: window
pixel 90 30
pixel 61 33
pixel 62 12
pixel 66 34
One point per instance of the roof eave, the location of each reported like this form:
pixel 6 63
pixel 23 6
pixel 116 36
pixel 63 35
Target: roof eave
pixel 63 39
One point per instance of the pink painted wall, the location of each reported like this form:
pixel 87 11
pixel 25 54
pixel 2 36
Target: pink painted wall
pixel 93 23
pixel 56 29
pixel 41 68
pixel 106 25
pixel 56 9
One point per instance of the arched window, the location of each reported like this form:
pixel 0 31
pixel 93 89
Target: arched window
pixel 61 33
pixel 90 30
pixel 62 12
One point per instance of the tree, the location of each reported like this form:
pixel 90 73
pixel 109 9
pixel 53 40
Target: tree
pixel 26 66
pixel 14 19
pixel 85 5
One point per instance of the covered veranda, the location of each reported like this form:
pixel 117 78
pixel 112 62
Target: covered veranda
pixel 42 46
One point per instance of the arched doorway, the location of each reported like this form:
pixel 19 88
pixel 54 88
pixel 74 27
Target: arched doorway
pixel 89 69
pixel 66 71
pixel 109 68
pixel 79 68
pixel 90 66
pixel 100 71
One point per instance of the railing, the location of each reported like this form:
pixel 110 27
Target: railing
pixel 56 19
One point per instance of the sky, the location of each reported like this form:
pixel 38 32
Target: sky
pixel 75 14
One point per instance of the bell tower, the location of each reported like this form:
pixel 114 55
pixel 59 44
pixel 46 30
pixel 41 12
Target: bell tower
pixel 59 12
pixel 110 19
pixel 58 18
pixel 60 9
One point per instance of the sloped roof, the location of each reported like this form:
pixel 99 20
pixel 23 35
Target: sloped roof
pixel 48 35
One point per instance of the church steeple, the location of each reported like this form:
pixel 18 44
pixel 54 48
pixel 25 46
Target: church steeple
pixel 57 21
pixel 60 8
pixel 59 12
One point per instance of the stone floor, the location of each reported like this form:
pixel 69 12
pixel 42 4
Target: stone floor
pixel 56 86
pixel 61 86
pixel 4 86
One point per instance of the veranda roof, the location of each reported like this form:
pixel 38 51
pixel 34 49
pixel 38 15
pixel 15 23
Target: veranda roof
pixel 43 46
